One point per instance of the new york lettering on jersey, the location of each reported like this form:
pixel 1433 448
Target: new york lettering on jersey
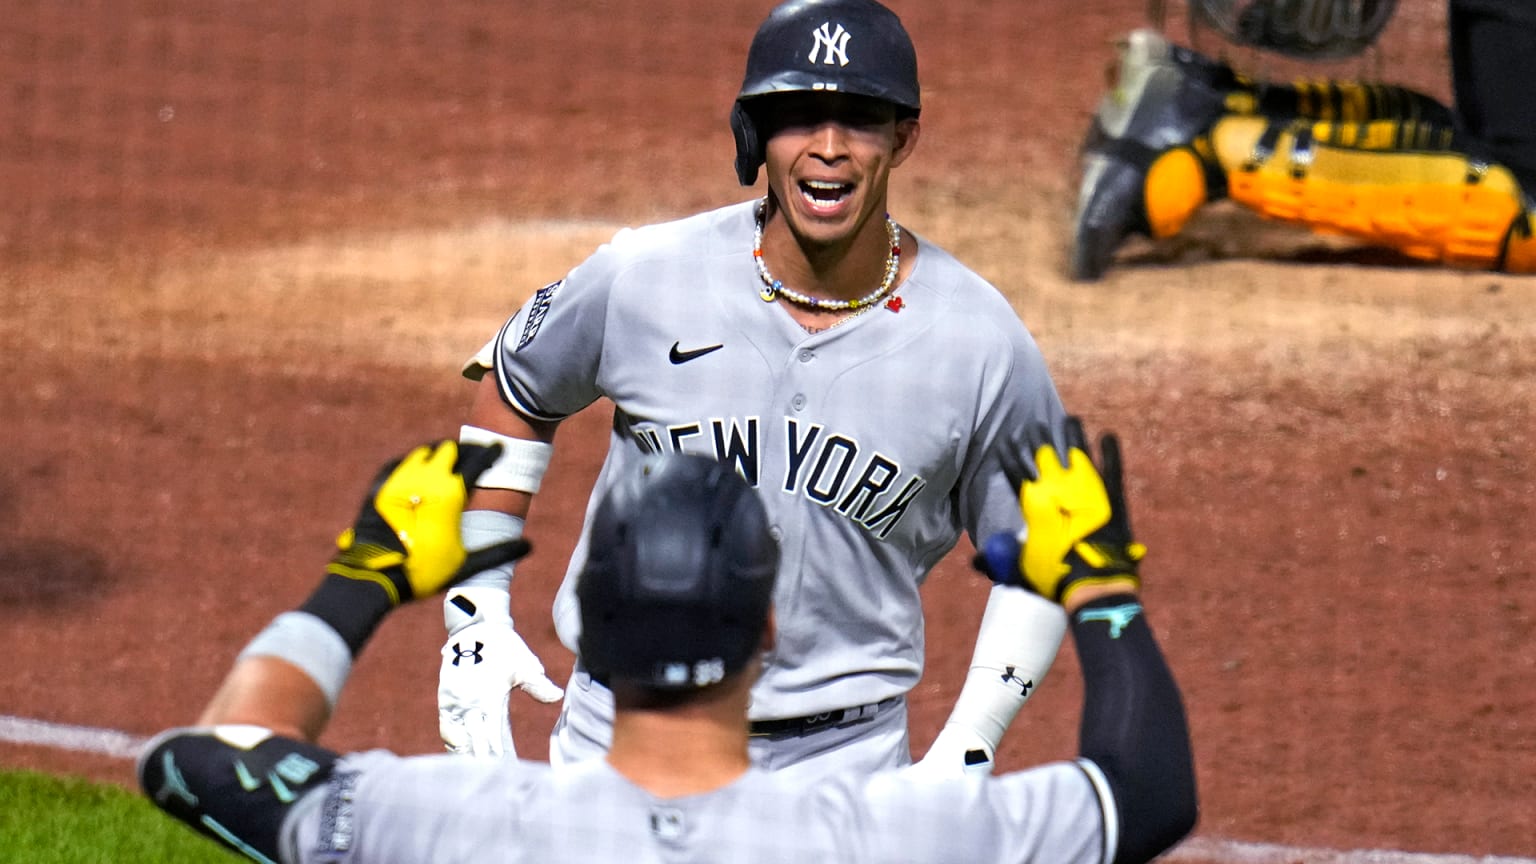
pixel 829 468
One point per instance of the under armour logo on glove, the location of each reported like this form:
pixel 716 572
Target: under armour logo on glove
pixel 472 697
pixel 460 653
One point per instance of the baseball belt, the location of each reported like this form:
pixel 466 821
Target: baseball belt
pixel 798 727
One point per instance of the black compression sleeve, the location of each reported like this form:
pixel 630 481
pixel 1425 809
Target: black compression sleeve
pixel 1134 727
pixel 352 607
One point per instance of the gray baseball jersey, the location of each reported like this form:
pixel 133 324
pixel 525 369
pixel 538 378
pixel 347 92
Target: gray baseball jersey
pixel 872 444
pixel 378 808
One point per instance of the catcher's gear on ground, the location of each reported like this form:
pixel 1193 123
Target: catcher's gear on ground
pixel 849 46
pixel 483 661
pixel 1078 530
pixel 1141 173
pixel 1404 186
pixel 679 576
pixel 1306 29
pixel 1383 164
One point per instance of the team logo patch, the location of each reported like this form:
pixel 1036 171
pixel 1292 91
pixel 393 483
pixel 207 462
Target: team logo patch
pixel 830 45
pixel 338 822
pixel 538 307
pixel 667 823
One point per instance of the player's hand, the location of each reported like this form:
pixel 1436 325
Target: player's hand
pixel 483 662
pixel 1077 528
pixel 406 537
pixel 956 752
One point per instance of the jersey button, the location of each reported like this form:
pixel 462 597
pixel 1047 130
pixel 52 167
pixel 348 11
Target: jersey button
pixel 807 355
pixel 798 403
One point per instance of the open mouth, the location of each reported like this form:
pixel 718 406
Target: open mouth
pixel 823 194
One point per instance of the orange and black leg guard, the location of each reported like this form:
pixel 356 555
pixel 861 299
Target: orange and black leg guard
pixel 1340 102
pixel 1403 185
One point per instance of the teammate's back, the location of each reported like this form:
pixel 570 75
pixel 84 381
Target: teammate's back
pixel 450 810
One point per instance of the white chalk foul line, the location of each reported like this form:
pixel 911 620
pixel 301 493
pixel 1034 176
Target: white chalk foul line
pixel 121 745
pixel 1238 852
pixel 60 736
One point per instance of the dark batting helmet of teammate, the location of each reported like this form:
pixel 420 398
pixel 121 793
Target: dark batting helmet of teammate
pixel 679 576
pixel 842 46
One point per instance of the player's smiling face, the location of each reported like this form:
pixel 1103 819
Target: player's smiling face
pixel 829 157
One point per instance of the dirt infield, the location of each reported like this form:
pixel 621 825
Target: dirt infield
pixel 247 245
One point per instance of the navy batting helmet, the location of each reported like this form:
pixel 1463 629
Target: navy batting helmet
pixel 679 576
pixel 843 46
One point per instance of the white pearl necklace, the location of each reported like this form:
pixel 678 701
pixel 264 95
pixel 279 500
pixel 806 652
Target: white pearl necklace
pixel 773 288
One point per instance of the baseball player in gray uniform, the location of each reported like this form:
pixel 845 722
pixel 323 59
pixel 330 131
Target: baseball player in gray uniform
pixel 677 616
pixel 867 383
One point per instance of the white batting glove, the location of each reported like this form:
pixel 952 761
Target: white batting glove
pixel 484 660
pixel 957 752
pixel 1015 646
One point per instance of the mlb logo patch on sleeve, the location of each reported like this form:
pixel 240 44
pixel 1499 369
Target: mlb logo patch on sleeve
pixel 538 307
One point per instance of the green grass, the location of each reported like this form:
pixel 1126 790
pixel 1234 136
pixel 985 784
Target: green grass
pixel 54 820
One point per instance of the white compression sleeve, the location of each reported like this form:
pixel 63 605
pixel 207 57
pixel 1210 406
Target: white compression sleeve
pixel 1015 646
pixel 489 591
pixel 520 468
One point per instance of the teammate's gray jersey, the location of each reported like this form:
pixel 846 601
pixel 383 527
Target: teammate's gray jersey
pixel 381 808
pixel 872 443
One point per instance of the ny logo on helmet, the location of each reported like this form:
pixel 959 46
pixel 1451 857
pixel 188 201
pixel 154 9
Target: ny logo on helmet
pixel 835 41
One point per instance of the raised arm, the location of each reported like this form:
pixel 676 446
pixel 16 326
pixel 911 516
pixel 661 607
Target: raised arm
pixel 1134 738
pixel 235 776
pixel 1019 633
pixel 484 659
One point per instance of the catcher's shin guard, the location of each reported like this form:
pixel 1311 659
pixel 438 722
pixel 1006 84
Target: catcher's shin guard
pixel 1338 101
pixel 1376 162
pixel 1396 184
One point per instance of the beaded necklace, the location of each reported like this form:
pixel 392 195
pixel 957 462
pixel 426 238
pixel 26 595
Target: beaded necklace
pixel 773 288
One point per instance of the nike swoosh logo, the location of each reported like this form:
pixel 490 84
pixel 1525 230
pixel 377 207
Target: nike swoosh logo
pixel 678 357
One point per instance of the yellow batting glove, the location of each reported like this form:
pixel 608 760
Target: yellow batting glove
pixel 406 537
pixel 1079 531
